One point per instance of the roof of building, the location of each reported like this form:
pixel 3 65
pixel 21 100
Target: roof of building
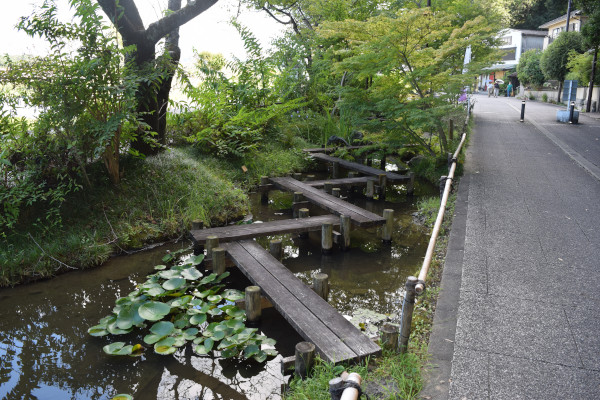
pixel 533 33
pixel 560 19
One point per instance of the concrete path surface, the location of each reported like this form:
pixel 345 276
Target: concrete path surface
pixel 518 315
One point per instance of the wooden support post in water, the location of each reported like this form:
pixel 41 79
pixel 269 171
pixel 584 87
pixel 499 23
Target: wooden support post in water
pixel 407 311
pixel 389 336
pixel 370 192
pixel 297 176
pixel 369 161
pixel 197 224
pixel 388 228
pixel 276 248
pixel 211 243
pixel 352 174
pixel 264 195
pixel 410 188
pixel 305 358
pixel 335 170
pixel 327 237
pixel 382 186
pixel 218 260
pixel 303 213
pixel 298 197
pixel 253 305
pixel 345 225
pixel 328 186
pixel 321 285
pixel 310 177
pixel 337 192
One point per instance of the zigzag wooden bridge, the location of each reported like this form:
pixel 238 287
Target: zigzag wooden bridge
pixel 335 339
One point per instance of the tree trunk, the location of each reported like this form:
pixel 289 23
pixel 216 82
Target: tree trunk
pixel 560 85
pixel 588 106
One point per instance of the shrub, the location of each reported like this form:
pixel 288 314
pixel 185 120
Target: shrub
pixel 545 98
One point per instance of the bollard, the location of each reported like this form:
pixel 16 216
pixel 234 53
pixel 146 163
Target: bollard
pixel 321 285
pixel 522 110
pixel 253 305
pixel 211 243
pixel 407 311
pixel 451 130
pixel 571 112
pixel 298 197
pixel 335 170
pixel 410 188
pixel 303 213
pixel 389 336
pixel 336 192
pixel 370 188
pixel 305 357
pixel 442 185
pixel 264 195
pixel 218 260
pixel 328 186
pixel 345 225
pixel 386 233
pixel 326 237
pixel 276 248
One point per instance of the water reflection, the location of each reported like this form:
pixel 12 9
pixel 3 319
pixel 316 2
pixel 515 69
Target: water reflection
pixel 46 353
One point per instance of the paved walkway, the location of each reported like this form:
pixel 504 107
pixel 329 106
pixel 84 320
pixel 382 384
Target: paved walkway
pixel 519 311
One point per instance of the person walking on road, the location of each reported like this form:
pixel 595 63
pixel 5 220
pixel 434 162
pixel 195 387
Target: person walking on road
pixel 490 89
pixel 509 89
pixel 496 88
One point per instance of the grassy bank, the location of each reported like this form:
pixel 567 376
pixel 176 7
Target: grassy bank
pixel 156 200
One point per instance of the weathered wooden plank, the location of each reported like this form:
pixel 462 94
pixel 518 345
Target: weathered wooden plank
pixel 328 315
pixel 331 203
pixel 392 177
pixel 329 346
pixel 360 181
pixel 248 231
pixel 327 150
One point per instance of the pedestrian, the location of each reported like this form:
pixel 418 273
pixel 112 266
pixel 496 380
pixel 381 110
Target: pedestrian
pixel 490 89
pixel 496 88
pixel 509 89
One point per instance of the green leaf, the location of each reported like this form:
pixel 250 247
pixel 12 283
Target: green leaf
pixel 215 298
pixel 261 356
pixel 235 324
pixel 191 274
pixel 233 295
pixel 137 350
pixel 167 258
pixel 215 311
pixel 163 328
pixel 201 349
pixel 223 276
pixel 165 346
pixel 208 344
pixel 182 321
pixel 152 338
pixel 98 330
pixel 117 349
pixel 269 342
pixel 173 283
pixel 160 267
pixel 170 274
pixel 125 317
pixel 273 353
pixel 122 396
pixel 198 319
pixel 251 350
pixel 113 329
pixel 219 335
pixel 208 279
pixel 228 353
pixel 235 312
pixel 154 310
pixel 195 260
pixel 190 333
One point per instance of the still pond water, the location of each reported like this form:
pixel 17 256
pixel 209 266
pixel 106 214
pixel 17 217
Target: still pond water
pixel 46 353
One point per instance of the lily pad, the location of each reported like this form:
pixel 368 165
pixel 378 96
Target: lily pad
pixel 191 274
pixel 214 298
pixel 154 310
pixel 162 328
pixel 98 330
pixel 137 350
pixel 117 349
pixel 198 319
pixel 152 338
pixel 261 356
pixel 195 260
pixel 165 346
pixel 125 317
pixel 160 267
pixel 169 274
pixel 122 396
pixel 235 312
pixel 233 295
pixel 190 333
pixel 251 350
pixel 173 283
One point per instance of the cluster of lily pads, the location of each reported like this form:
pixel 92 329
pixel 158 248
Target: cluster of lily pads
pixel 179 305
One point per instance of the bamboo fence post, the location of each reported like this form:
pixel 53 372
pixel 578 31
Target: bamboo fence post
pixel 218 260
pixel 407 311
pixel 321 285
pixel 197 224
pixel 388 228
pixel 345 226
pixel 276 248
pixel 326 237
pixel 305 357
pixel 253 304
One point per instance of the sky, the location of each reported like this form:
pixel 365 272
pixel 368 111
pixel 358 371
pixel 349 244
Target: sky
pixel 210 31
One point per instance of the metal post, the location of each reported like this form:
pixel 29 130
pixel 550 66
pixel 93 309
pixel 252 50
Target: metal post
pixel 523 111
pixel 571 112
pixel 407 312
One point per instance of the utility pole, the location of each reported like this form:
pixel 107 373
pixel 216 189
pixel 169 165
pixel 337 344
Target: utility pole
pixel 568 15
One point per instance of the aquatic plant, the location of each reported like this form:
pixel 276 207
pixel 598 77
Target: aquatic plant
pixel 178 305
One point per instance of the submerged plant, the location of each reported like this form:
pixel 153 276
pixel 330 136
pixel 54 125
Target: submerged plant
pixel 179 305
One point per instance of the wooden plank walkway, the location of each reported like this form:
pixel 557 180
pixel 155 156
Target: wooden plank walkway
pixel 248 231
pixel 335 338
pixel 360 181
pixel 331 203
pixel 392 177
pixel 328 150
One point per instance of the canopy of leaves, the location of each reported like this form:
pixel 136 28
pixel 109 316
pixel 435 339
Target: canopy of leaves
pixel 528 69
pixel 591 9
pixel 554 59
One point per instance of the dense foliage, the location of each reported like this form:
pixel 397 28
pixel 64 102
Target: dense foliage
pixel 528 69
pixel 555 58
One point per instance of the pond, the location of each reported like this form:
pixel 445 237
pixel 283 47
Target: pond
pixel 46 353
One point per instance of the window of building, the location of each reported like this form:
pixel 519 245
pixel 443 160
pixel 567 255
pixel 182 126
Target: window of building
pixel 506 40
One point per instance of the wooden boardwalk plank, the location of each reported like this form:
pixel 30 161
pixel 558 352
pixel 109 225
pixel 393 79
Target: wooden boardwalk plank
pixel 392 177
pixel 360 181
pixel 359 216
pixel 249 231
pixel 327 150
pixel 328 315
pixel 260 272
